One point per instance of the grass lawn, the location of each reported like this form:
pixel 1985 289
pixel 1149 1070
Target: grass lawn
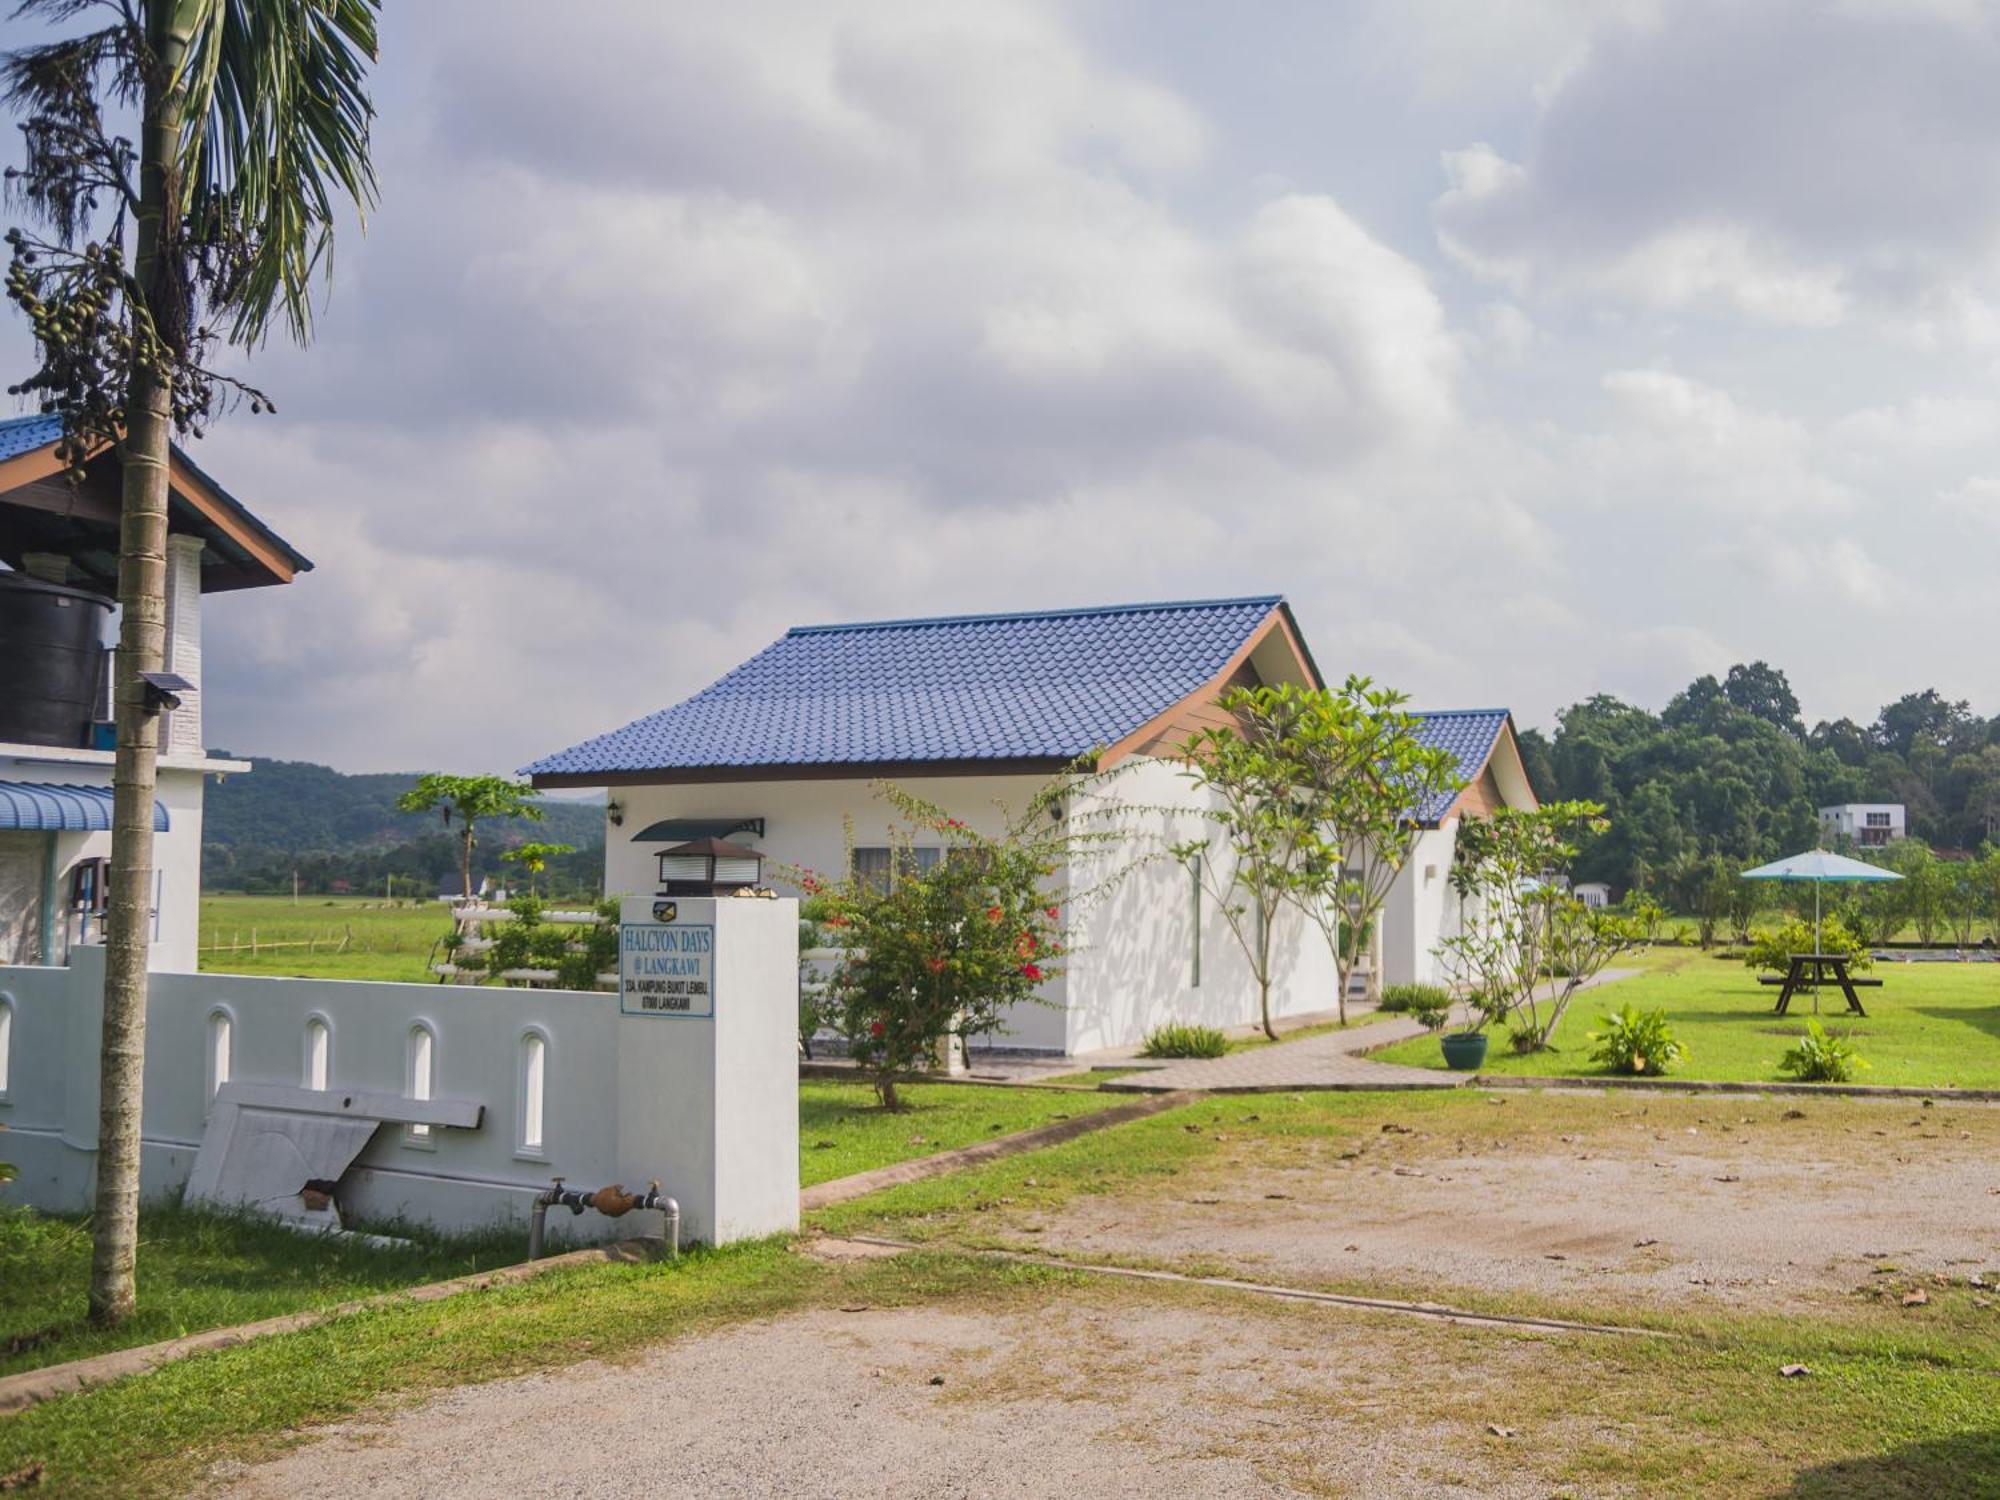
pixel 1897 1403
pixel 387 942
pixel 842 1131
pixel 1931 1025
pixel 199 1271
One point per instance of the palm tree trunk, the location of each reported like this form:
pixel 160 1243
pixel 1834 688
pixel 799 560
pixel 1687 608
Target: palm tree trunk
pixel 142 579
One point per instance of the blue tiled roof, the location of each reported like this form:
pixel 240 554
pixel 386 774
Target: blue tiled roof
pixel 20 435
pixel 1044 686
pixel 46 807
pixel 1469 734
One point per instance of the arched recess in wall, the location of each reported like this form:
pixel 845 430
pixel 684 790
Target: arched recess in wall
pixel 420 1076
pixel 532 1092
pixel 221 1049
pixel 319 1052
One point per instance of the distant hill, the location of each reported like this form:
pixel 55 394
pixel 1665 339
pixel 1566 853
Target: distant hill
pixel 334 827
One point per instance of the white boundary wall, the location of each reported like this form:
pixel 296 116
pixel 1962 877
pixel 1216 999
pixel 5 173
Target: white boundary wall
pixel 708 1107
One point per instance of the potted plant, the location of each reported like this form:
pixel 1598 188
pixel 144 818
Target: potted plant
pixel 1465 1051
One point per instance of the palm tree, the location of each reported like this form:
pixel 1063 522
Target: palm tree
pixel 253 127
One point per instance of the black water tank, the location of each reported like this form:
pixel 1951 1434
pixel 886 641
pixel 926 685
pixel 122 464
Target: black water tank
pixel 51 652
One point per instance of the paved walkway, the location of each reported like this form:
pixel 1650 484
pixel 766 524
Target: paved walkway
pixel 1332 1060
pixel 1328 1061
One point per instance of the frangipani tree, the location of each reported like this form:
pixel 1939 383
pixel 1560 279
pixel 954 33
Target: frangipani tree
pixel 1367 775
pixel 1531 944
pixel 252 121
pixel 1263 825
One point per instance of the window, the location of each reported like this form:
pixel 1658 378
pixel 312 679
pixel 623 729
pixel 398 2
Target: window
pixel 221 1036
pixel 6 1042
pixel 422 1077
pixel 875 865
pixel 1194 923
pixel 1878 820
pixel 534 1085
pixel 319 1053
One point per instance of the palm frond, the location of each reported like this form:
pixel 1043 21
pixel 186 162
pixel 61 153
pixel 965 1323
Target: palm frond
pixel 277 129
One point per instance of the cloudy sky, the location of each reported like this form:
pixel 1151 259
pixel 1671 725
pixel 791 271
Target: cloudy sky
pixel 1532 350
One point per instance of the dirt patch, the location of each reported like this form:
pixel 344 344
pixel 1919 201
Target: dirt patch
pixel 1152 1394
pixel 1700 1199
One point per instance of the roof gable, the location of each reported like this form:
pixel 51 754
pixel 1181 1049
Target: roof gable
pixel 979 691
pixel 1472 735
pixel 48 514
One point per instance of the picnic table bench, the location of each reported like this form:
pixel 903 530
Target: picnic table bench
pixel 1808 971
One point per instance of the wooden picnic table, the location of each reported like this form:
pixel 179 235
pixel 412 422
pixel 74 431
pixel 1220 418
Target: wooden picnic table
pixel 1810 971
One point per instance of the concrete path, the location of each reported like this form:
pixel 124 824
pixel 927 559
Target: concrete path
pixel 1332 1060
pixel 1328 1061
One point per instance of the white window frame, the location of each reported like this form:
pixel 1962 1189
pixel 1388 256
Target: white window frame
pixel 420 1075
pixel 531 1094
pixel 317 1070
pixel 6 1045
pixel 218 1053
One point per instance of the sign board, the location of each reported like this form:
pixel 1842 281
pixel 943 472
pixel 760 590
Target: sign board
pixel 667 970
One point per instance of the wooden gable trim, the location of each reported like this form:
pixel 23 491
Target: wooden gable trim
pixel 1198 703
pixel 41 463
pixel 26 468
pixel 202 496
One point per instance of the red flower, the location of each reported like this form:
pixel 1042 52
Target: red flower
pixel 874 1028
pixel 1030 971
pixel 994 914
pixel 836 921
pixel 1055 915
pixel 1024 944
pixel 935 965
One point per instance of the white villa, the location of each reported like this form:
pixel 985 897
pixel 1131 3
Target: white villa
pixel 1869 824
pixel 976 713
pixel 59 543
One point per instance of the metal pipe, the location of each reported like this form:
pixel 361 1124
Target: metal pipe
pixel 613 1202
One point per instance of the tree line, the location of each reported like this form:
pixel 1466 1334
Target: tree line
pixel 1728 773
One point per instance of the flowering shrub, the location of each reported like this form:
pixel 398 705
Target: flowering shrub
pixel 944 951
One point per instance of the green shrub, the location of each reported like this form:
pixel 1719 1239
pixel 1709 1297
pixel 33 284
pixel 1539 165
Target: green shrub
pixel 1821 1057
pixel 1398 998
pixel 1431 1017
pixel 1774 950
pixel 1636 1043
pixel 1174 1040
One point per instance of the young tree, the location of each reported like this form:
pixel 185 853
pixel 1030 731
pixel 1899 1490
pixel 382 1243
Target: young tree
pixel 1534 943
pixel 534 858
pixel 1264 828
pixel 472 799
pixel 1366 777
pixel 253 124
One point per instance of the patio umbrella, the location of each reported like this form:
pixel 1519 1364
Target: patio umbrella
pixel 1819 866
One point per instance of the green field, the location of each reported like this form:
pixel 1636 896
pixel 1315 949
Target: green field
pixel 1931 1025
pixel 320 937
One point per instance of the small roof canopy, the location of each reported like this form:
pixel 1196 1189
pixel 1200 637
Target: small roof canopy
pixel 41 511
pixel 47 807
pixel 1817 865
pixel 680 830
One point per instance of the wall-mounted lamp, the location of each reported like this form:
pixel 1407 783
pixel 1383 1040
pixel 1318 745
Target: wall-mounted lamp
pixel 163 690
pixel 614 813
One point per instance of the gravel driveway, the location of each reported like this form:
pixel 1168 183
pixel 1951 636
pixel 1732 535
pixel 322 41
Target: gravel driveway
pixel 1098 1394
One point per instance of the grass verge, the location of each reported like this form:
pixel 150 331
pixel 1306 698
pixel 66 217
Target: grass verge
pixel 199 1271
pixel 843 1131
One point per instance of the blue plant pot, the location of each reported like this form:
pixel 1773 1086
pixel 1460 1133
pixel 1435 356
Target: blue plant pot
pixel 1464 1053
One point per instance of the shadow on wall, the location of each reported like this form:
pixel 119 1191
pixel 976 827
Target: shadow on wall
pixel 1140 964
pixel 1967 1464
